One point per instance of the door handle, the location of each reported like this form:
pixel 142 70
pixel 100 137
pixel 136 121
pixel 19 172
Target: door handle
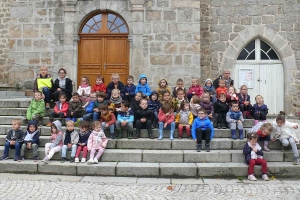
pixel 104 66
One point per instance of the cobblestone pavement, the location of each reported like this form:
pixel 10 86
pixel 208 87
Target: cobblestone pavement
pixel 20 186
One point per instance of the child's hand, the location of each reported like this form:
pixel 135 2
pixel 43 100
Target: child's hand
pixel 210 115
pixel 124 123
pixel 72 113
pixel 12 142
pixel 83 92
pixel 273 140
pixel 106 125
pixel 58 89
pixel 167 114
pixel 165 125
pixel 69 145
pixel 239 121
pixel 28 145
pixel 295 127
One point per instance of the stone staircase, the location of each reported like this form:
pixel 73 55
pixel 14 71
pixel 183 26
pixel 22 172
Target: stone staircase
pixel 145 157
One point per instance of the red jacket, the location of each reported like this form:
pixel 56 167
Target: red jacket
pixel 197 89
pixel 162 117
pixel 100 88
pixel 220 90
pixel 64 108
pixel 259 132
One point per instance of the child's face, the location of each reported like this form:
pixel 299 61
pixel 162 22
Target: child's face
pixel 115 79
pixel 103 112
pixel 194 83
pixel 222 84
pixel 265 132
pixel 180 95
pixel 208 84
pixel 206 98
pixel 244 90
pixel 163 83
pixel 222 98
pixel 138 96
pixel 259 100
pixel 235 107
pixel 231 90
pixel 100 99
pixel 123 108
pixel 70 127
pixel 253 142
pixel 83 129
pixel 53 129
pixel 202 115
pixel 43 71
pixel 62 99
pixel 115 94
pixel 129 81
pixel 143 81
pixel 37 96
pixel 144 104
pixel 97 128
pixel 31 128
pixel 83 81
pixel 99 81
pixel 167 96
pixel 154 97
pixel 75 98
pixel 15 125
pixel 93 97
pixel 280 123
pixel 186 107
pixel 180 84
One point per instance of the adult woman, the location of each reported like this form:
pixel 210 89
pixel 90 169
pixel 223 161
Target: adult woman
pixel 62 85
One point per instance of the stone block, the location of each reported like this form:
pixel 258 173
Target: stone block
pixel 13 112
pixel 178 170
pixel 268 19
pixel 122 155
pixel 144 144
pixel 8 119
pixel 289 155
pixel 220 143
pixel 188 27
pixel 159 27
pixel 185 4
pixel 21 12
pixel 215 156
pixel 170 48
pixel 169 15
pixel 8 104
pixel 272 156
pixel 137 169
pixel 185 15
pixel 160 60
pixel 158 156
pixel 222 169
pixel 281 169
pixel 10 166
pixel 153 15
pixel 100 169
pixel 55 167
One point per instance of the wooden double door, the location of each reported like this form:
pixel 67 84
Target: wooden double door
pixel 103 55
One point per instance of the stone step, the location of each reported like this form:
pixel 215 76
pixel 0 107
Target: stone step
pixel 145 169
pixel 15 102
pixel 12 94
pixel 13 111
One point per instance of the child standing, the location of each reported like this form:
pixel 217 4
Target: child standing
pixel 143 86
pixel 222 89
pixel 14 140
pixel 208 87
pixel 56 141
pixel 285 133
pixel 97 142
pixel 263 131
pixel 115 84
pixel 84 134
pixel 244 102
pixel 179 84
pixel 195 89
pixel 100 100
pixel 75 108
pixel 162 87
pixel 153 105
pixel 89 107
pixel 195 105
pixel 31 140
pixel 207 105
pixel 130 89
pixel 221 108
pixel 144 119
pixel 108 119
pixel 231 96
pixel 184 118
pixel 235 120
pixel 202 129
pixel 44 84
pixel 260 109
pixel 36 109
pixel 254 156
pixel 84 90
pixel 70 140
pixel 166 120
pixel 99 85
pixel 125 120
pixel 60 110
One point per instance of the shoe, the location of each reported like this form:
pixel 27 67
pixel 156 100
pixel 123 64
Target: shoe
pixel 22 158
pixel 45 160
pixel 17 158
pixel 150 135
pixel 35 158
pixel 233 134
pixel 49 124
pixel 63 159
pixel 152 126
pixel 137 133
pixel 112 135
pixel 265 177
pixel 47 105
pixel 95 160
pixel 72 160
pixel 207 148
pixel 90 161
pixel 76 160
pixel 252 177
pixel 83 160
pixel 266 146
pixel 219 126
pixel 198 147
pixel 224 126
pixel 296 161
pixel 179 138
pixel 118 133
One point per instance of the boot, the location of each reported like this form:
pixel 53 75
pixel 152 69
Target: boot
pixel 112 135
pixel 233 134
pixel 172 135
pixel 266 146
pixel 160 135
pixel 119 133
pixel 207 148
pixel 255 122
pixel 198 147
pixel 150 134
pixel 137 133
pixel 241 132
pixel 130 134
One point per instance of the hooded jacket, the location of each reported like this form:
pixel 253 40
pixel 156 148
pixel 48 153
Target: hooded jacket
pixel 221 107
pixel 56 138
pixel 197 89
pixel 145 89
pixel 100 88
pixel 97 140
pixel 203 124
pixel 153 105
pixel 126 116
pixel 208 106
pixel 184 117
pixel 162 117
pixel 232 117
pixel 211 90
pixel 161 90
pixel 35 107
pixel 33 137
pixel 63 108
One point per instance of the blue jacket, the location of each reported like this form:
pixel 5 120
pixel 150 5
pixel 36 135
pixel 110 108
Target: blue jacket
pixel 145 89
pixel 130 89
pixel 36 136
pixel 263 109
pixel 90 107
pixel 203 124
pixel 125 116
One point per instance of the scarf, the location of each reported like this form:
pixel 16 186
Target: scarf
pixel 117 100
pixel 84 133
pixel 209 88
pixel 84 85
pixel 99 135
pixel 29 136
pixel 253 154
pixel 62 82
pixel 244 97
pixel 235 115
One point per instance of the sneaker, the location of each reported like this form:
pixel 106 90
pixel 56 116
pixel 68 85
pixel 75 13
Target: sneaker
pixel 23 158
pixel 207 148
pixel 266 148
pixel 49 124
pixel 72 160
pixel 45 160
pixel 265 177
pixel 152 126
pixel 296 161
pixel 35 158
pixel 252 177
pixel 90 161
pixel 47 105
pixel 63 159
pixel 179 138
pixel 224 126
pixel 219 126
pixel 95 160
pixel 17 158
pixel 83 160
pixel 76 160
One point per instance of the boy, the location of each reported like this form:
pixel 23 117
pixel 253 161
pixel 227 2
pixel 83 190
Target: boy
pixel 143 86
pixel 60 110
pixel 221 108
pixel 108 119
pixel 144 119
pixel 14 140
pixel 235 119
pixel 100 100
pixel 130 89
pixel 44 84
pixel 89 108
pixel 153 105
pixel 115 101
pixel 75 108
pixel 70 140
pixel 202 128
pixel 125 120
pixel 31 140
pixel 179 84
pixel 36 109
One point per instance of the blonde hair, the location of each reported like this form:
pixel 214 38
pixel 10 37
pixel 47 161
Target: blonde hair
pixel 196 79
pixel 115 75
pixel 258 96
pixel 196 99
pixel 70 122
pixel 116 90
pixel 267 126
pixel 234 90
pixel 243 86
pixel 18 121
pixel 96 124
pixel 44 67
pixel 87 79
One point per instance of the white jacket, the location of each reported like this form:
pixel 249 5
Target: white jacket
pixel 87 91
pixel 285 131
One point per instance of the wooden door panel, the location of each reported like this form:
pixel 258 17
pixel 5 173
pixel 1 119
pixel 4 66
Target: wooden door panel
pixel 91 51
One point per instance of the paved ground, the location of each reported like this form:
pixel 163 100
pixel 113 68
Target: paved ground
pixel 19 186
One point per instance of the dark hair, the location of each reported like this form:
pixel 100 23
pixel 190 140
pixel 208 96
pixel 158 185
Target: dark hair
pixel 103 107
pixel 281 116
pixel 62 69
pixel 101 78
pixel 221 80
pixel 62 95
pixel 183 103
pixel 139 92
pixel 96 123
pixel 202 110
pixel 179 80
pixel 222 95
pixel 164 92
pixel 251 136
pixel 166 107
pixel 180 90
pixel 130 77
pixel 100 94
pixel 85 124
pixel 75 95
pixel 235 103
pixel 196 99
pixel 143 99
pixel 126 103
pixel 37 91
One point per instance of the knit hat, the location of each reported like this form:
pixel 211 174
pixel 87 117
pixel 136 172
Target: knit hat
pixel 208 80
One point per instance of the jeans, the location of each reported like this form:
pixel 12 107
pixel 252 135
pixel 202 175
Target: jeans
pixel 46 91
pixel 17 148
pixel 111 127
pixel 65 149
pixel 34 148
pixel 286 141
pixel 87 116
pixel 96 116
pixel 128 126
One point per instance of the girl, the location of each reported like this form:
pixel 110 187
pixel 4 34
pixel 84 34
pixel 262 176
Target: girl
pixel 144 119
pixel 162 87
pixel 115 84
pixel 56 141
pixel 60 110
pixel 207 105
pixel 231 96
pixel 168 100
pixel 84 134
pixel 166 120
pixel 184 119
pixel 96 141
pixel 108 119
pixel 180 97
pixel 115 100
pixel 84 90
pixel 195 89
pixel 285 133
pixel 208 87
pixel 195 105
pixel 222 89
pixel 244 102
pixel 254 156
pixel 179 84
pixel 263 131
pixel 260 109
pixel 99 85
pixel 62 85
pixel 134 105
pixel 153 105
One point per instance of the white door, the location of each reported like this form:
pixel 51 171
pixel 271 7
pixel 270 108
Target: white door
pixel 267 80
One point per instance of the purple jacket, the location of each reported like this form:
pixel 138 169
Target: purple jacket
pixel 208 106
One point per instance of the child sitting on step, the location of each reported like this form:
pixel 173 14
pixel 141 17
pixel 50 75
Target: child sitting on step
pixel 195 105
pixel 221 108
pixel 70 140
pixel 99 85
pixel 31 140
pixel 263 131
pixel 130 89
pixel 254 156
pixel 235 119
pixel 222 89
pixel 195 89
pixel 125 119
pixel 144 119
pixel 84 134
pixel 260 109
pixel 115 84
pixel 107 119
pixel 179 84
pixel 84 91
pixel 180 97
pixel 244 102
pixel 96 142
pixel 162 87
pixel 60 110
pixel 89 113
pixel 184 118
pixel 207 105
pixel 75 110
pixel 231 96
pixel 166 120
pixel 143 86
pixel 100 100
pixel 153 105
pixel 36 109
pixel 208 87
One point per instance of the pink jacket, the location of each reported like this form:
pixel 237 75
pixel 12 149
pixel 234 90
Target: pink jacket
pixel 56 139
pixel 162 117
pixel 197 89
pixel 97 140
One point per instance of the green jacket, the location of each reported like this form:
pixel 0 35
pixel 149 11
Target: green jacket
pixel 35 107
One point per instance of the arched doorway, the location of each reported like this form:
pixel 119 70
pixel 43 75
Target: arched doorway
pixel 259 67
pixel 103 48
